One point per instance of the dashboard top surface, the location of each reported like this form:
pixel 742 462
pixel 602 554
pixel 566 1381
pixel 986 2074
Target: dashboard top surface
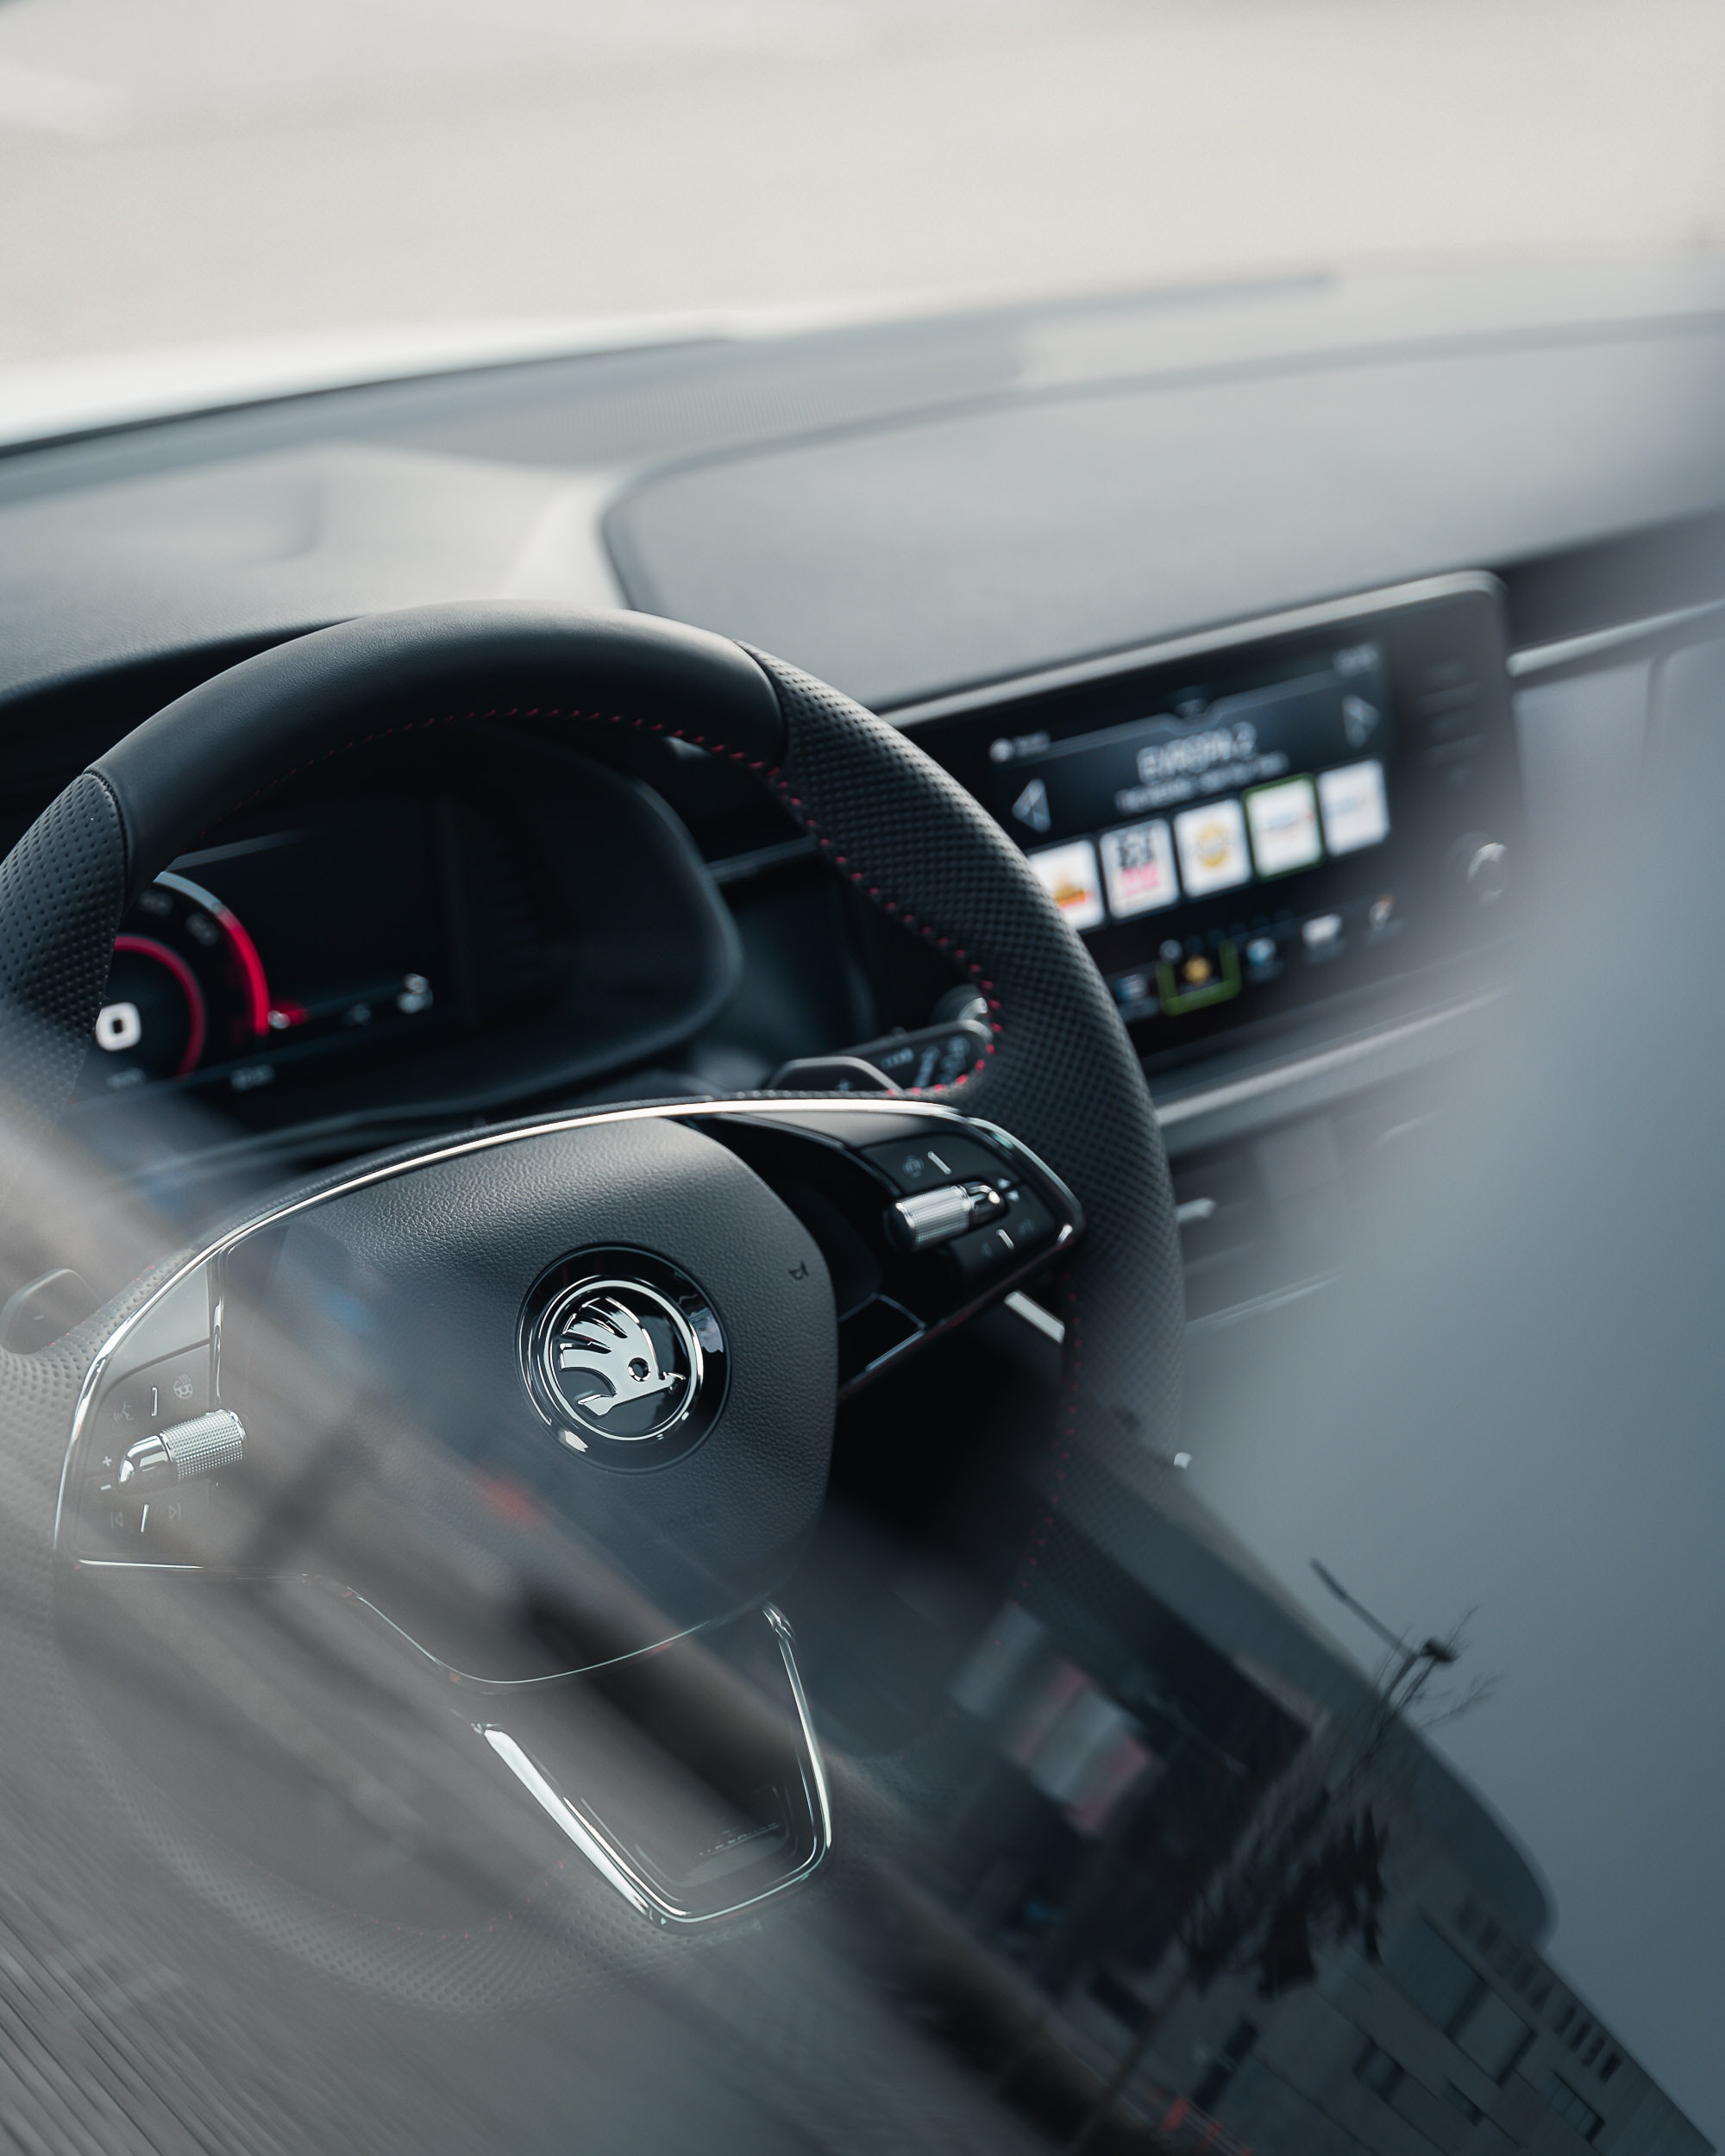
pixel 909 507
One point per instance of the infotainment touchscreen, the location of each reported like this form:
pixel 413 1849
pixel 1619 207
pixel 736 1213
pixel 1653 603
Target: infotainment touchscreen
pixel 1242 826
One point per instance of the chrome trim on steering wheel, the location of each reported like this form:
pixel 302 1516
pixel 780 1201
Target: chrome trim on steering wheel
pixel 810 1832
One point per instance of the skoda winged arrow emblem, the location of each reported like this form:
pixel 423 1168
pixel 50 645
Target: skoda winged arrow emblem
pixel 624 1355
pixel 603 1337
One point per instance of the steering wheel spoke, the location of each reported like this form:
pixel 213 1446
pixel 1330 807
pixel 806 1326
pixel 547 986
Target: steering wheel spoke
pixel 152 1453
pixel 924 1216
pixel 691 1780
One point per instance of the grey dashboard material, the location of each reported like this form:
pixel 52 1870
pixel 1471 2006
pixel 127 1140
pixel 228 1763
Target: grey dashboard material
pixel 911 507
pixel 1080 514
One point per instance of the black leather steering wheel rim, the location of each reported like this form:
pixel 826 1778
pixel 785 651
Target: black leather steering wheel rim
pixel 1059 1072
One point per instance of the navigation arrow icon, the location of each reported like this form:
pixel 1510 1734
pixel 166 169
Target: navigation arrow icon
pixel 1359 720
pixel 1032 806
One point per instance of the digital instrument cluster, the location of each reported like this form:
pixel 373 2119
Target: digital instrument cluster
pixel 248 956
pixel 1240 827
pixel 476 921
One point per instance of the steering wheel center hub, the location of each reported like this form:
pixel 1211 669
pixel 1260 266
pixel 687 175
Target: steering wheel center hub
pixel 625 1355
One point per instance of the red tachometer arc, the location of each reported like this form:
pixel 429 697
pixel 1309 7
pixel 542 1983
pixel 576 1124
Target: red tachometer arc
pixel 245 951
pixel 257 987
pixel 147 946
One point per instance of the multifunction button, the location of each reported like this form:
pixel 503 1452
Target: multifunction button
pixel 1025 1228
pixel 172 1390
pixel 968 1199
pixel 152 1451
pixel 184 1450
pixel 922 1215
pixel 929 1163
pixel 932 1216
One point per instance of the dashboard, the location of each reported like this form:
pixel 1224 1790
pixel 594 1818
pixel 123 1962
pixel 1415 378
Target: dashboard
pixel 1230 607
pixel 1270 828
pixel 1252 831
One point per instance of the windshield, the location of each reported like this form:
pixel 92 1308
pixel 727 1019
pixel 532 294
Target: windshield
pixel 189 172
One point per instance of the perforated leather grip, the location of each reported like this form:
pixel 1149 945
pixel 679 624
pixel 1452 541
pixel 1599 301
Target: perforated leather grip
pixel 62 893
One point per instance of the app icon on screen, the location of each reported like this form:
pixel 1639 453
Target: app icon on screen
pixel 1359 720
pixel 1356 812
pixel 1135 993
pixel 1211 841
pixel 1069 875
pixel 1284 826
pixel 1138 867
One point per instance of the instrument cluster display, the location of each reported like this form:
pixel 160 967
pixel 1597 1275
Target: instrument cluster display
pixel 478 920
pixel 249 957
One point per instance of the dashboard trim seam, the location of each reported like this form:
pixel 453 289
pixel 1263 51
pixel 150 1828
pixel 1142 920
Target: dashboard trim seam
pixel 1292 621
pixel 1238 1090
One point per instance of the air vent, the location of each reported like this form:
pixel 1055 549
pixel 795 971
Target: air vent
pixel 1226 1232
pixel 1277 1215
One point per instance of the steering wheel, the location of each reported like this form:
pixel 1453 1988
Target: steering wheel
pixel 536 1419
